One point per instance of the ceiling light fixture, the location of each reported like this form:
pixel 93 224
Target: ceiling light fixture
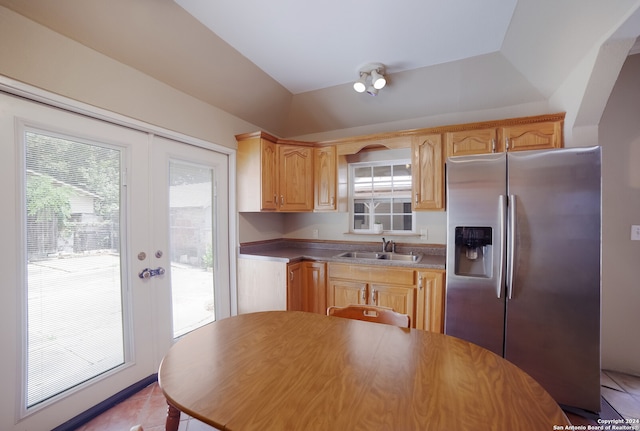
pixel 371 79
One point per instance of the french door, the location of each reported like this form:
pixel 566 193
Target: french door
pixel 189 201
pixel 115 242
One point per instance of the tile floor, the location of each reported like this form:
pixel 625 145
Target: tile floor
pixel 622 392
pixel 148 408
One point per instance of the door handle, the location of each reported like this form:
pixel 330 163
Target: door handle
pixel 148 272
pixel 502 210
pixel 512 244
pixel 374 297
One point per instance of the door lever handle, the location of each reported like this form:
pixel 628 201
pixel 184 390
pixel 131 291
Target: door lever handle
pixel 148 272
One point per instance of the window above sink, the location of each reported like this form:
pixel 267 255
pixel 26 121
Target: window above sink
pixel 380 193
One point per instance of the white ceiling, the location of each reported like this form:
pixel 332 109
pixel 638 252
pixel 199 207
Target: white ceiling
pixel 287 66
pixel 309 45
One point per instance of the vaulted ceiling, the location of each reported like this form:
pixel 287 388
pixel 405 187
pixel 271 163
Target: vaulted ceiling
pixel 288 66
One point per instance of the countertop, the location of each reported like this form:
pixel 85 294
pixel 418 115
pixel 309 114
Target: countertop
pixel 291 251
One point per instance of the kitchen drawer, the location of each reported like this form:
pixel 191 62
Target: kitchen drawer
pixel 373 273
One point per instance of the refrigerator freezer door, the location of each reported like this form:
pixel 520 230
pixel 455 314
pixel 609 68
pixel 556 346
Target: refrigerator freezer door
pixel 553 314
pixel 475 301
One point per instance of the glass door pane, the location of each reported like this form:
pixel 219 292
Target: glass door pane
pixel 191 209
pixel 74 282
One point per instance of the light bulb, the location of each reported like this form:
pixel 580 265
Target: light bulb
pixel 360 85
pixel 378 80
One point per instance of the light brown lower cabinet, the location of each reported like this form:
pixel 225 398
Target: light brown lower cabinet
pixel 416 293
pixel 431 292
pixel 313 286
pixel 306 287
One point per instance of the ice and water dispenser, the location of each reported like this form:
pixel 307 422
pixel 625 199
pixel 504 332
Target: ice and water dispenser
pixel 473 255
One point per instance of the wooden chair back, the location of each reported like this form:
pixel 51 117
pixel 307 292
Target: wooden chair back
pixel 370 313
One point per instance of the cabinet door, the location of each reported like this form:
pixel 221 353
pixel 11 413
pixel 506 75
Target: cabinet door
pixel 399 298
pixel 269 175
pixel 427 172
pixel 295 181
pixel 261 285
pixel 314 291
pixel 430 310
pixel 341 293
pixel 294 287
pixel 535 136
pixel 325 178
pixel 469 142
pixel 256 177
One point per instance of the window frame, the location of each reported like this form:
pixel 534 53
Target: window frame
pixel 352 166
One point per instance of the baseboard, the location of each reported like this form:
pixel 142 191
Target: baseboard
pixel 606 411
pixel 105 405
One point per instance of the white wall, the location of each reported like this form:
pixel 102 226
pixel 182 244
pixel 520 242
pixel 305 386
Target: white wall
pixel 35 55
pixel 335 226
pixel 619 135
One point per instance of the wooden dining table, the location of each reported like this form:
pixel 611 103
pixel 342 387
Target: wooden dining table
pixel 287 371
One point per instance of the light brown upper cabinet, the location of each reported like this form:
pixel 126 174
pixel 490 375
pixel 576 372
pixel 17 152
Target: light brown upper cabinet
pixel 325 171
pixel 468 142
pixel 529 133
pixel 535 136
pixel 295 179
pixel 257 180
pixel 291 176
pixel 427 172
pixel 273 176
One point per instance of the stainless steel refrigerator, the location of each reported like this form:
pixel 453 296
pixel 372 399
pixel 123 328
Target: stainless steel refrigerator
pixel 523 264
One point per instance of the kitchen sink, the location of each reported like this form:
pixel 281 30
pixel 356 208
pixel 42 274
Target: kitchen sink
pixel 402 257
pixel 361 255
pixel 405 257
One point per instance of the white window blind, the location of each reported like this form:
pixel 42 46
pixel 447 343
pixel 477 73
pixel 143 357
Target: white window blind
pixel 74 282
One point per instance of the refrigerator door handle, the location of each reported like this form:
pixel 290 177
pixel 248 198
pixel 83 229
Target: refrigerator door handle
pixel 502 210
pixel 512 245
